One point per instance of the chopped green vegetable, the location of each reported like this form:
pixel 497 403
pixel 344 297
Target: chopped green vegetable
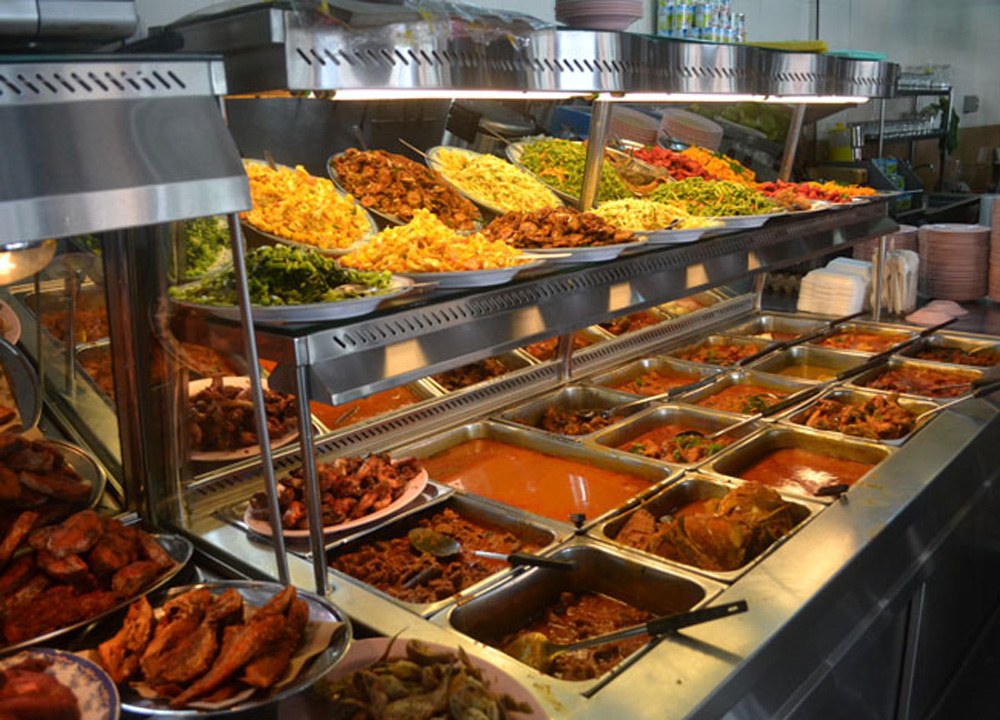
pixel 560 163
pixel 282 275
pixel 714 198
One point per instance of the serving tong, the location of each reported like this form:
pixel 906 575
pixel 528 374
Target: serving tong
pixel 536 650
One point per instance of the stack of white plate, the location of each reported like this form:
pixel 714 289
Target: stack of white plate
pixel 599 14
pixel 903 239
pixel 629 124
pixel 953 260
pixel 691 128
pixel 830 291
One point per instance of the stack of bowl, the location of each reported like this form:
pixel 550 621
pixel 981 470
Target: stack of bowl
pixel 613 15
pixel 994 278
pixel 903 239
pixel 629 124
pixel 953 260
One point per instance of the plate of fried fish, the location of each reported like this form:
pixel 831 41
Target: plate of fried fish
pixel 218 647
pixel 76 572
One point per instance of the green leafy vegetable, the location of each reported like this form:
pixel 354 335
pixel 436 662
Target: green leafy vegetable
pixel 282 275
pixel 204 239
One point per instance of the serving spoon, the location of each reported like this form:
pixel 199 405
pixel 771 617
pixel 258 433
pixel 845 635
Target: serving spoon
pixel 443 546
pixel 536 650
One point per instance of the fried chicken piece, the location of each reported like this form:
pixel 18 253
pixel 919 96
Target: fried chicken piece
pixel 69 569
pixel 279 604
pixel 76 535
pixel 153 550
pixel 262 630
pixel 120 655
pixel 18 531
pixel 182 616
pixel 34 695
pixel 132 578
pixel 115 549
pixel 16 575
pixel 265 670
pixel 63 485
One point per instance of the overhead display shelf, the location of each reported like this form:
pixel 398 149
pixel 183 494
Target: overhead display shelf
pixel 371 46
pixel 90 144
pixel 352 359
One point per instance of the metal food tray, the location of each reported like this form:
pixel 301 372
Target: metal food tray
pixel 798 416
pixel 776 383
pixel 707 299
pixel 655 311
pixel 567 399
pixel 423 389
pixel 836 361
pixel 514 360
pixel 692 488
pixel 594 334
pixel 545 535
pixel 965 343
pixel 904 332
pixel 625 373
pixel 612 571
pixel 717 340
pixel 962 374
pixel 657 474
pixel 732 461
pixel 705 420
pixel 53 297
pixel 773 322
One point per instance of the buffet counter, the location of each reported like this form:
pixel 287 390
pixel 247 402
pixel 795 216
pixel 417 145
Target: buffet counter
pixel 858 594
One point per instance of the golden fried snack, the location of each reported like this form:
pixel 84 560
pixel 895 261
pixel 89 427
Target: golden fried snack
pixel 20 529
pixel 120 655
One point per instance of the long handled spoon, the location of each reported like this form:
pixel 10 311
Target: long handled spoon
pixel 536 650
pixel 443 546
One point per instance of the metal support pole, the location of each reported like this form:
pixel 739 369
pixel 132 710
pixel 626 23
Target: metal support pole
pixel 257 395
pixel 759 283
pixel 564 354
pixel 881 126
pixel 792 142
pixel 38 332
pixel 600 116
pixel 313 505
pixel 879 276
pixel 71 283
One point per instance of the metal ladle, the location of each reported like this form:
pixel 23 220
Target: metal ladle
pixel 536 650
pixel 443 546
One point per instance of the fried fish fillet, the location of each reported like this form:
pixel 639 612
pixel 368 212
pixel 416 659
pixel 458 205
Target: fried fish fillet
pixel 120 655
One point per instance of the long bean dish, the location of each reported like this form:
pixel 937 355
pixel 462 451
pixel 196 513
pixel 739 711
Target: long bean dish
pixel 561 227
pixel 395 185
pixel 879 417
pixel 559 163
pixel 714 198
